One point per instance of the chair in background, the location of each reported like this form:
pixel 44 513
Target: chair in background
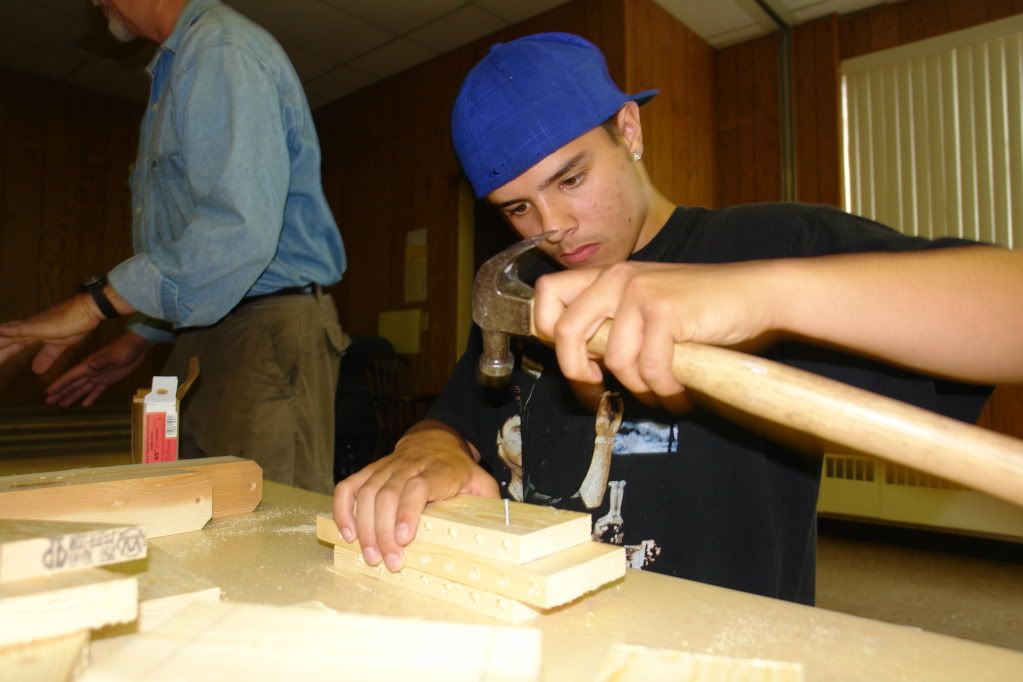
pixel 355 419
pixel 390 385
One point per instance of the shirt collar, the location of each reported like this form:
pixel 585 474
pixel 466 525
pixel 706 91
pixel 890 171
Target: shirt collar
pixel 191 12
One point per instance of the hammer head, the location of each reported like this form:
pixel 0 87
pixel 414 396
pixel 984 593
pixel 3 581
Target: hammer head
pixel 502 306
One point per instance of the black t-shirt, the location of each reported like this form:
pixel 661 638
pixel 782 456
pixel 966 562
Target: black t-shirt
pixel 694 497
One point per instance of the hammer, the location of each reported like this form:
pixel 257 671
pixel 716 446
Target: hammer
pixel 732 382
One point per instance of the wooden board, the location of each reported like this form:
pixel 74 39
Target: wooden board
pixel 543 583
pixel 160 502
pixel 165 587
pixel 476 525
pixel 56 659
pixel 57 605
pixel 32 549
pixel 233 641
pixel 478 600
pixel 237 482
pixel 631 663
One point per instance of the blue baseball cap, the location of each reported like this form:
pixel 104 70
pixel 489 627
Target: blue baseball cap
pixel 528 98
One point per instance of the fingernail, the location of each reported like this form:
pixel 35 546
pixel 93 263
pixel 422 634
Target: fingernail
pixel 347 534
pixel 393 562
pixel 371 555
pixel 401 533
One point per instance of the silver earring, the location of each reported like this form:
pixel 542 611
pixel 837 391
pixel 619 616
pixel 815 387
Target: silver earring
pixel 637 156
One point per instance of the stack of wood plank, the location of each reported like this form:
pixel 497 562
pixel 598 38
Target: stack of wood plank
pixel 512 566
pixel 58 530
pixel 52 592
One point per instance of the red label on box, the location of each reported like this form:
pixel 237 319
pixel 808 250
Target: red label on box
pixel 158 446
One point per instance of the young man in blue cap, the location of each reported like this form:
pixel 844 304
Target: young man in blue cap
pixel 545 135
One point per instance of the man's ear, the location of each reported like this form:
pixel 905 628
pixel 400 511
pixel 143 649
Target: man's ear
pixel 630 128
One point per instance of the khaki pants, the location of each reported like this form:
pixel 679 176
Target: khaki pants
pixel 267 379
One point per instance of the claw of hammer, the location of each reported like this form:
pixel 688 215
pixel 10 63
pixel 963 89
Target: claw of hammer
pixel 501 306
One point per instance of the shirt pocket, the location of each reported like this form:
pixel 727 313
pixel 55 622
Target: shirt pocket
pixel 171 197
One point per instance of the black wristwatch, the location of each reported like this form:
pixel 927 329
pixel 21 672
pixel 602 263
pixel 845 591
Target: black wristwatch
pixel 94 287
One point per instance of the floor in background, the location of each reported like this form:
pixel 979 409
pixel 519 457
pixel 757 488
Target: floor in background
pixel 966 587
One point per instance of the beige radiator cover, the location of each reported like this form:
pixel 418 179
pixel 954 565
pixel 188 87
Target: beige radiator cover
pixel 865 488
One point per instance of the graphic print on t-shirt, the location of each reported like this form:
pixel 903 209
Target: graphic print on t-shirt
pixel 594 485
pixel 612 437
pixel 646 438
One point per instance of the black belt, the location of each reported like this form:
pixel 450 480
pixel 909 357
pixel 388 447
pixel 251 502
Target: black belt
pixel 287 291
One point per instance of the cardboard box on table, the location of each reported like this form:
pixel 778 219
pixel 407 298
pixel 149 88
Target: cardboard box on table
pixel 155 417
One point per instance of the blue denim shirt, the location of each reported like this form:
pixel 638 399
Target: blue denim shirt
pixel 226 195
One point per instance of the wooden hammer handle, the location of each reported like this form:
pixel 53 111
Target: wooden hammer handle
pixel 850 417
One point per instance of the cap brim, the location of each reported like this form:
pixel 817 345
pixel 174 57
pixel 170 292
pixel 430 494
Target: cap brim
pixel 642 98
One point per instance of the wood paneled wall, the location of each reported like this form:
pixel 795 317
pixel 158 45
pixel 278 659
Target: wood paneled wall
pixel 748 135
pixel 64 211
pixel 887 26
pixel 816 109
pixel 389 166
pixel 679 124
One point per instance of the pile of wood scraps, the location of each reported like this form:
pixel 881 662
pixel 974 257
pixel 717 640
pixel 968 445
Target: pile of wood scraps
pixel 75 562
pixel 512 566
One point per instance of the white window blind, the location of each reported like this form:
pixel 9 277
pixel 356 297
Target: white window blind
pixel 933 135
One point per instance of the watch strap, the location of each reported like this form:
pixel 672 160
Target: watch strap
pixel 94 287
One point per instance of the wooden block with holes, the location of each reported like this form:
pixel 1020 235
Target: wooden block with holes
pixel 237 483
pixel 34 549
pixel 476 525
pixel 160 502
pixel 475 598
pixel 466 553
pixel 542 583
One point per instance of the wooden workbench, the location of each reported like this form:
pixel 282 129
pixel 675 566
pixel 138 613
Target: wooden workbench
pixel 271 556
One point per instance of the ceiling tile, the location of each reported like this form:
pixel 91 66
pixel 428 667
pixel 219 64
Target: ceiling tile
pixel 709 20
pixel 67 39
pixel 392 58
pixel 736 35
pixel 807 10
pixel 317 28
pixel 457 28
pixel 397 16
pixel 335 84
pixel 44 24
pixel 308 65
pixel 514 11
pixel 50 63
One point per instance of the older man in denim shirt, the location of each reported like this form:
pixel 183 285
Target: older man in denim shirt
pixel 233 240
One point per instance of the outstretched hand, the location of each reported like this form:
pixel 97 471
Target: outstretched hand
pixel 87 380
pixel 652 306
pixel 58 327
pixel 382 503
